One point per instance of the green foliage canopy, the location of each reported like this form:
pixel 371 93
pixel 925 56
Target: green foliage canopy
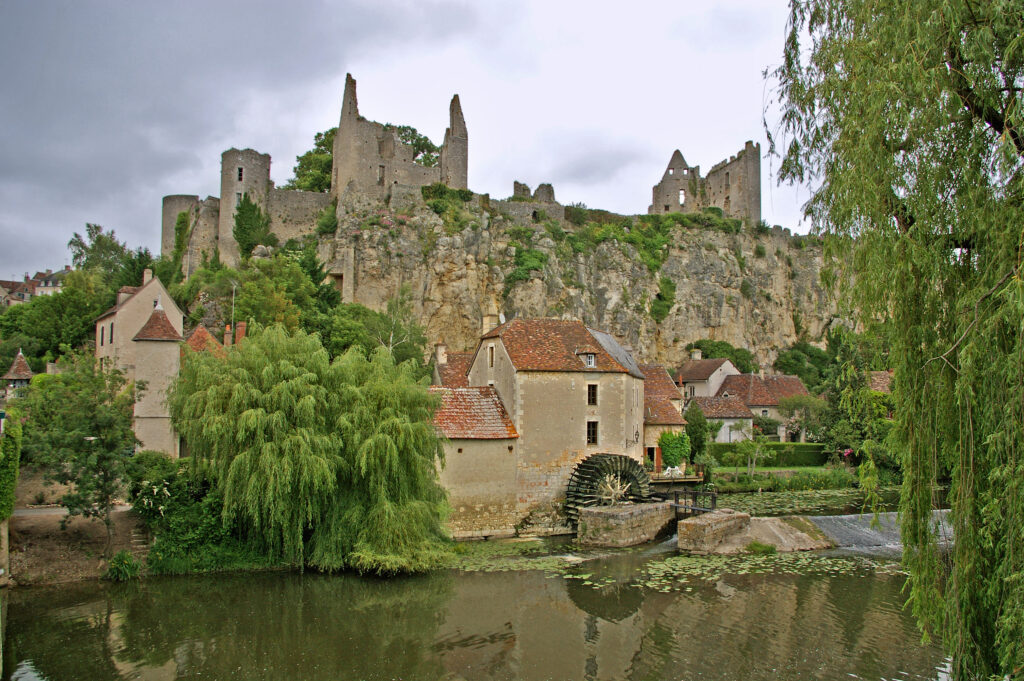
pixel 79 429
pixel 252 227
pixel 313 168
pixel 675 448
pixel 330 464
pixel 10 458
pixel 697 430
pixel 907 119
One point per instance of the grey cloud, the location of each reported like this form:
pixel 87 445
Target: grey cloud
pixel 105 100
pixel 583 159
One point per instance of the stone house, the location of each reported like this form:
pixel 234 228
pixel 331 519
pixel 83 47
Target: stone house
pixel 663 410
pixel 17 377
pixel 140 335
pixel 567 391
pixel 703 377
pixel 735 417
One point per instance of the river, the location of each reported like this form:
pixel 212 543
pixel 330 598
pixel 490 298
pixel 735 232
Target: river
pixel 637 615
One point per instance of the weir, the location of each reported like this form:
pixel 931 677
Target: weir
pixel 855 531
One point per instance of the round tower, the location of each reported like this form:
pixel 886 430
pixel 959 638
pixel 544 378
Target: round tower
pixel 174 204
pixel 241 172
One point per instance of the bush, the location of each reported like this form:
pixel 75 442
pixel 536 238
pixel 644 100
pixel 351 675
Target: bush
pixel 446 193
pixel 526 261
pixel 122 567
pixel 759 251
pixel 327 221
pixel 664 300
pixel 675 448
pixel 747 289
pixel 761 549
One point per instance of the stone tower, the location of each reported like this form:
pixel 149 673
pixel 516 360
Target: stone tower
pixel 455 150
pixel 370 159
pixel 241 172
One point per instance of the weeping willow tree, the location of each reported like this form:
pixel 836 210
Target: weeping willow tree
pixel 905 119
pixel 324 464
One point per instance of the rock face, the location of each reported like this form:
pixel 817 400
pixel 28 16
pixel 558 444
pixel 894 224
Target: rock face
pixel 759 291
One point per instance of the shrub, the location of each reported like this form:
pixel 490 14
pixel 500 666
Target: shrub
pixel 761 549
pixel 747 289
pixel 762 229
pixel 759 251
pixel 796 454
pixel 740 260
pixel 327 221
pixel 576 214
pixel 664 300
pixel 122 567
pixel 675 448
pixel 526 261
pixel 715 211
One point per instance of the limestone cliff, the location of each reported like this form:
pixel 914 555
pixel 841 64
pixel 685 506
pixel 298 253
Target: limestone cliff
pixel 759 291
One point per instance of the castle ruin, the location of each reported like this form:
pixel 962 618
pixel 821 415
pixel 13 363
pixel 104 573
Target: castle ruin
pixel 734 185
pixel 368 159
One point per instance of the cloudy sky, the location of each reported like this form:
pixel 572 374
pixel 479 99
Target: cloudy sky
pixel 107 106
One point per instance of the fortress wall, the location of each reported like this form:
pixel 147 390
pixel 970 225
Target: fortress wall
pixel 172 205
pixel 293 213
pixel 524 210
pixel 205 220
pixel 734 185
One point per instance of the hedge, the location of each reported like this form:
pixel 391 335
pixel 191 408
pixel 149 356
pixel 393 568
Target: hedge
pixel 10 455
pixel 789 453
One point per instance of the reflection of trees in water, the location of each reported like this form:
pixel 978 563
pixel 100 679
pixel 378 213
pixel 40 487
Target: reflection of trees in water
pixel 286 626
pixel 611 602
pixel 56 630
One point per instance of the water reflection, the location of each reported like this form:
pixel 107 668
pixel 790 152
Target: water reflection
pixel 473 626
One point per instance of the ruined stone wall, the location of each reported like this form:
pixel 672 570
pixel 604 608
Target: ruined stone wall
pixel 172 206
pixel 203 239
pixel 293 213
pixel 480 476
pixel 734 185
pixel 529 211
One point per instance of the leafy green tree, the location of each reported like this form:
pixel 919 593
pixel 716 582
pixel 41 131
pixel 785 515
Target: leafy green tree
pixel 675 448
pixel 425 152
pixel 252 227
pixel 803 360
pixel 803 412
pixel 79 429
pixel 10 459
pixel 697 430
pixel 754 450
pixel 46 326
pixel 98 250
pixel 327 464
pixel 313 168
pixel 741 358
pixel 906 120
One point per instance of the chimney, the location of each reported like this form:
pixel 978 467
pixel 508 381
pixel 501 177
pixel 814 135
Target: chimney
pixel 240 331
pixel 26 277
pixel 147 274
pixel 227 336
pixel 441 353
pixel 489 322
pixel 695 353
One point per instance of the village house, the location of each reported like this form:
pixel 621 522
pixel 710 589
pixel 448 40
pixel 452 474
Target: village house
pixel 535 398
pixel 46 283
pixel 735 417
pixel 140 336
pixel 663 411
pixel 762 394
pixel 703 377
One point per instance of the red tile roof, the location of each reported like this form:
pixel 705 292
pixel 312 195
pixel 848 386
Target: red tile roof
pixel 659 391
pixel 552 345
pixel 201 339
pixel 699 369
pixel 723 408
pixel 758 391
pixel 472 414
pixel 880 381
pixel 20 370
pixel 158 328
pixel 454 373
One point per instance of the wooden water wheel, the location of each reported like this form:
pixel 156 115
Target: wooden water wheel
pixel 604 480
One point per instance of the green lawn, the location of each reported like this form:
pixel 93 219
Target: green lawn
pixel 772 469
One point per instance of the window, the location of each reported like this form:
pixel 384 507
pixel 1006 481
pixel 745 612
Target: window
pixel 592 394
pixel 591 432
pixel 102 329
pixel 693 390
pixel 764 412
pixel 671 171
pixel 727 180
pixel 590 360
pixel 380 174
pixel 238 199
pixel 490 356
pixel 666 207
pixel 111 335
pixel 239 174
pixel 682 196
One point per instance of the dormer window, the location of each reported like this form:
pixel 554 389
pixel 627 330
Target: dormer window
pixel 589 360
